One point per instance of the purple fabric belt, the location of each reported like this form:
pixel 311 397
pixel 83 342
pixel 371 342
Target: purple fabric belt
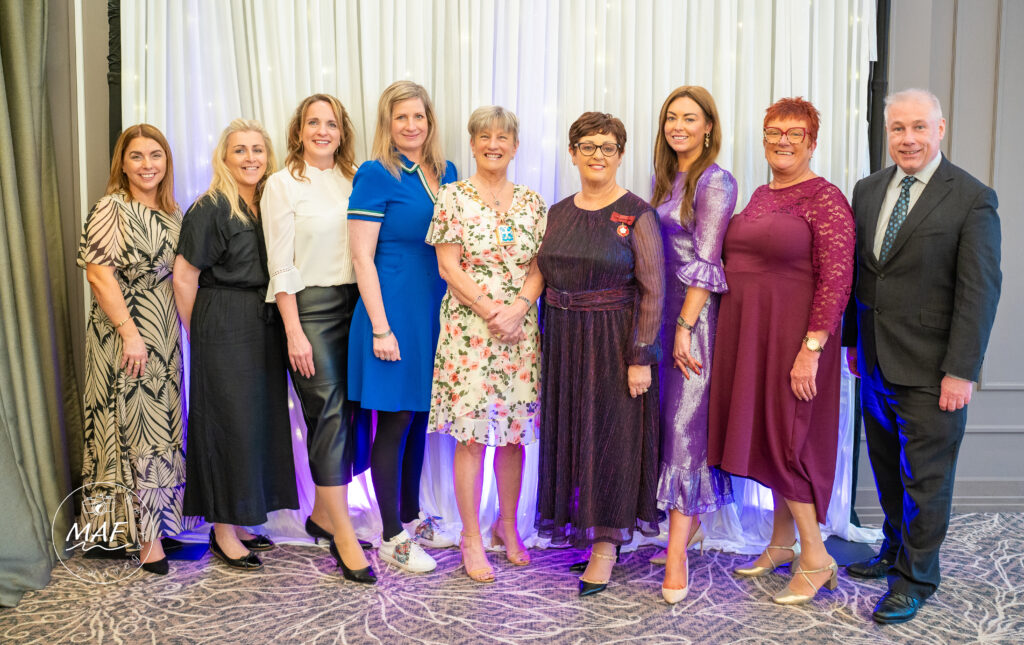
pixel 598 300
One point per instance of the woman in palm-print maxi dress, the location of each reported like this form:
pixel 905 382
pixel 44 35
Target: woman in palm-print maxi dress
pixel 133 414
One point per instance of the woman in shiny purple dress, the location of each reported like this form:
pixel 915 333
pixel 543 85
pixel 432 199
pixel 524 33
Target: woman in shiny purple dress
pixel 695 199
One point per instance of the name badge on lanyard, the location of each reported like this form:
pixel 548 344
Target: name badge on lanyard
pixel 506 234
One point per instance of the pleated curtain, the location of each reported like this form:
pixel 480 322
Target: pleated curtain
pixel 190 66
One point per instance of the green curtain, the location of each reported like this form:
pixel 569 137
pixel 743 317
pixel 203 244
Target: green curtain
pixel 39 396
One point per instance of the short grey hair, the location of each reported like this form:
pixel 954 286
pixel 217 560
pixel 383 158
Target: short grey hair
pixel 493 116
pixel 914 94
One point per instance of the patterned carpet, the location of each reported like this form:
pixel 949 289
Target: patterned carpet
pixel 300 598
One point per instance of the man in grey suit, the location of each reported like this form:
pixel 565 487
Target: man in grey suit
pixel 924 299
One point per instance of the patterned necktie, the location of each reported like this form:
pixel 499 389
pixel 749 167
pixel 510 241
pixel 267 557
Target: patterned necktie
pixel 899 214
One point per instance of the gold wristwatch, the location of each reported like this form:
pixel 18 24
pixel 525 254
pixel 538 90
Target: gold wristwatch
pixel 813 344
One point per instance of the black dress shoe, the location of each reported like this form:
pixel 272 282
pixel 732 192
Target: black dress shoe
pixel 258 543
pixel 159 567
pixel 591 588
pixel 871 569
pixel 318 532
pixel 582 564
pixel 364 575
pixel 248 562
pixel 895 607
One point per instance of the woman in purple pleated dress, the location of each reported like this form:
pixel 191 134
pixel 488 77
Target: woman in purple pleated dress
pixel 602 263
pixel 695 199
pixel 775 379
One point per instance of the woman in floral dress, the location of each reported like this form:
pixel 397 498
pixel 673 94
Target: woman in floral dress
pixel 487 231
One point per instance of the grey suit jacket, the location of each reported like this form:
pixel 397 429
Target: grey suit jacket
pixel 927 310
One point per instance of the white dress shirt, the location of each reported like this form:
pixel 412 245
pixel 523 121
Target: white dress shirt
pixel 306 228
pixel 892 193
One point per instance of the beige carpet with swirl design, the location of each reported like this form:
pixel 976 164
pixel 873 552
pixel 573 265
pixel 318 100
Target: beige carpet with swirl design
pixel 300 598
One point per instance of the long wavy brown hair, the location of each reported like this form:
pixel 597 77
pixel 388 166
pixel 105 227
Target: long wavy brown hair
pixel 344 156
pixel 118 181
pixel 666 162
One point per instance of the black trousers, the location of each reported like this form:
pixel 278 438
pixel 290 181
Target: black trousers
pixel 913 447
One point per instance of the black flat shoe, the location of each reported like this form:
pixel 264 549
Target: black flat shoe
pixel 582 564
pixel 258 543
pixel 248 562
pixel 159 567
pixel 364 575
pixel 876 567
pixel 895 607
pixel 318 532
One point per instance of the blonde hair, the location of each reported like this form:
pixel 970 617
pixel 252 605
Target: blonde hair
pixel 118 181
pixel 384 149
pixel 493 116
pixel 666 162
pixel 222 183
pixel 344 156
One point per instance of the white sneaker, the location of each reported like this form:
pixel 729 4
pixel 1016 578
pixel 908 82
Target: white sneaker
pixel 429 531
pixel 405 554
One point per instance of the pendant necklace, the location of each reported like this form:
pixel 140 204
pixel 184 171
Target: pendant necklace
pixel 494 195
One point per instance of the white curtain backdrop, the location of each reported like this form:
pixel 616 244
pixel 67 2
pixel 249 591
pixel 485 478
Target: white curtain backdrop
pixel 190 66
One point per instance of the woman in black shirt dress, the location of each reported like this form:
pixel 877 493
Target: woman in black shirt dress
pixel 239 445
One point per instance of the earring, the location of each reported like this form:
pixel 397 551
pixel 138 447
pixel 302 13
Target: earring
pixel 707 139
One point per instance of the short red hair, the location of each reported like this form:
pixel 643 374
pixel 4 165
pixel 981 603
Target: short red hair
pixel 795 108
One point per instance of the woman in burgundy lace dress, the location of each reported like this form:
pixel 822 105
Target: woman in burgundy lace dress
pixel 775 376
pixel 602 263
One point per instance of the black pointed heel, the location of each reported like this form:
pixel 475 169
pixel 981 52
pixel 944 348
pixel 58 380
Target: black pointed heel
pixel 588 588
pixel 591 588
pixel 318 532
pixel 159 567
pixel 364 575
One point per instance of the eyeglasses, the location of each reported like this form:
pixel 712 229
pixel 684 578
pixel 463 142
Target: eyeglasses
pixel 588 149
pixel 793 135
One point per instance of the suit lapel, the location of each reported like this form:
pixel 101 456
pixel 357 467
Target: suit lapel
pixel 874 195
pixel 932 196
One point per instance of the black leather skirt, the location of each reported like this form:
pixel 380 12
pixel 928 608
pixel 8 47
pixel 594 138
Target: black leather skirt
pixel 338 450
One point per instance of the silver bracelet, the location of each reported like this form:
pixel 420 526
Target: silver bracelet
pixel 526 300
pixel 383 334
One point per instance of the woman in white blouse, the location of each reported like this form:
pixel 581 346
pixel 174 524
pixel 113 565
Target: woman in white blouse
pixel 312 279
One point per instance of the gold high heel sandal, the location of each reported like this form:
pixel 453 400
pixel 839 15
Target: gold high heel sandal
pixel 754 571
pixel 788 597
pixel 480 574
pixel 698 536
pixel 519 558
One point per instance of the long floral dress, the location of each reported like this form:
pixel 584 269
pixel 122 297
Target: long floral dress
pixel 485 391
pixel 133 428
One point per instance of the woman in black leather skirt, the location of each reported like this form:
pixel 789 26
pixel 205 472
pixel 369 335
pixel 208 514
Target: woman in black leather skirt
pixel 312 280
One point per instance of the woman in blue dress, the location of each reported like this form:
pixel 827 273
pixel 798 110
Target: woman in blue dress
pixel 395 325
